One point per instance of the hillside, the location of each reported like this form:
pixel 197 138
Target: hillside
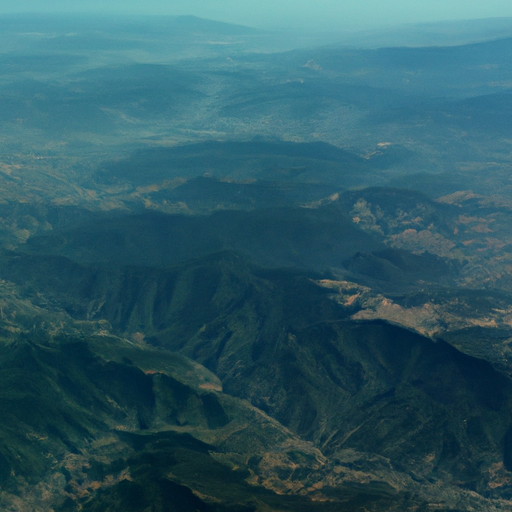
pixel 277 340
pixel 235 278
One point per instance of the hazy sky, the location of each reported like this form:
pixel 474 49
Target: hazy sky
pixel 265 13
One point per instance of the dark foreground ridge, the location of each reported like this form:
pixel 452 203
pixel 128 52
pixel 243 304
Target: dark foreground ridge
pixel 359 394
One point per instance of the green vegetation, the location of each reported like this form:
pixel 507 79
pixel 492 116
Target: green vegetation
pixel 234 280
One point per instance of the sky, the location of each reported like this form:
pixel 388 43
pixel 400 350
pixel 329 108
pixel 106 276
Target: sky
pixel 284 13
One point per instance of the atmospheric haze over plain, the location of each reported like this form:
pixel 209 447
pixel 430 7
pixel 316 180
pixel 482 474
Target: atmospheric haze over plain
pixel 323 14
